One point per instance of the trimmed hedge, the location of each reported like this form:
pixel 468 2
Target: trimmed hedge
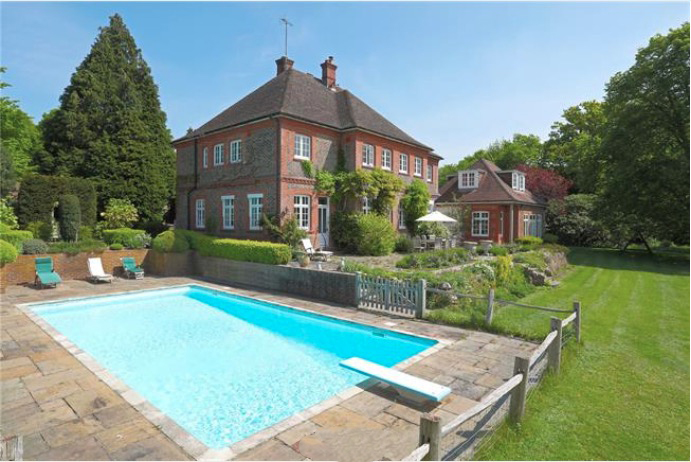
pixel 39 193
pixel 16 237
pixel 8 253
pixel 130 238
pixel 69 217
pixel 232 249
pixel 170 241
pixel 34 247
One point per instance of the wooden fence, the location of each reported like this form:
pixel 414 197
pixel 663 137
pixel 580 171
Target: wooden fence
pixel 515 390
pixel 407 298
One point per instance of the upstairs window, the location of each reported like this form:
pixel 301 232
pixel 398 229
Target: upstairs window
pixel 218 154
pixel 303 147
pixel 430 173
pixel 386 159
pixel 301 210
pixel 403 168
pixel 205 158
pixel 418 166
pixel 518 181
pixel 235 155
pixel 368 155
pixel 468 179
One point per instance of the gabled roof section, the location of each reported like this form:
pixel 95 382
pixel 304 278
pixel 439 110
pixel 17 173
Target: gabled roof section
pixel 303 96
pixel 491 188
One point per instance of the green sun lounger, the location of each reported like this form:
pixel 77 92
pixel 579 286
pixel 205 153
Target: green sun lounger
pixel 131 268
pixel 45 273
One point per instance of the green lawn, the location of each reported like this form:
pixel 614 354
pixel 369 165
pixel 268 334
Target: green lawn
pixel 624 394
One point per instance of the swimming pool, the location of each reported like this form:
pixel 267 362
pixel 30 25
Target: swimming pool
pixel 223 366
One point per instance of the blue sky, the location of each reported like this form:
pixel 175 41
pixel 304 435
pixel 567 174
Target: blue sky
pixel 456 76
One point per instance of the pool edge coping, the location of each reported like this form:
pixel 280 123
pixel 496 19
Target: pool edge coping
pixel 188 442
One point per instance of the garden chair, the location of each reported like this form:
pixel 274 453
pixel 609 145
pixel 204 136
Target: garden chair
pixel 131 269
pixel 96 273
pixel 315 254
pixel 45 273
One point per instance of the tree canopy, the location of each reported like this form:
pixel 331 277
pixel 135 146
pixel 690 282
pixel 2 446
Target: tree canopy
pixel 110 126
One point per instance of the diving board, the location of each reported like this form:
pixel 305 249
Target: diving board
pixel 409 386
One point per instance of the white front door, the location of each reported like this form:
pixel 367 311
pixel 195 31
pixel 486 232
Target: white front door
pixel 323 224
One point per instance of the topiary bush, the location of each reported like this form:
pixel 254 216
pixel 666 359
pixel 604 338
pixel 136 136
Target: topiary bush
pixel 251 251
pixel 116 246
pixel 69 217
pixel 8 253
pixel 34 247
pixel 374 235
pixel 130 238
pixel 16 237
pixel 170 241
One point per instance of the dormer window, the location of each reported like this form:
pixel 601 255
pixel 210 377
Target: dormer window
pixel 468 179
pixel 518 181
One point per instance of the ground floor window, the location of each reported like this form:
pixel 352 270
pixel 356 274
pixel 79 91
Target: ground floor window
pixel 401 217
pixel 228 206
pixel 256 204
pixel 480 224
pixel 200 213
pixel 301 210
pixel 532 224
pixel 366 205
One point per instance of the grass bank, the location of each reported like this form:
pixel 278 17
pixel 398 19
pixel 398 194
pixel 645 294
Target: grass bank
pixel 624 394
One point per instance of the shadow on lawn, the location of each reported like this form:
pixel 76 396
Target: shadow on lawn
pixel 676 264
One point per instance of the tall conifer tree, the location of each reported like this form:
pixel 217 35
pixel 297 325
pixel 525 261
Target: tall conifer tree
pixel 110 126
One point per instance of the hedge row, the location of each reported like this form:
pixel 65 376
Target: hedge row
pixel 231 249
pixel 39 193
pixel 127 237
pixel 16 237
pixel 8 253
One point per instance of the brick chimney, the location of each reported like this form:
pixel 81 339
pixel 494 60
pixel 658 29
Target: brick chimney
pixel 283 64
pixel 329 72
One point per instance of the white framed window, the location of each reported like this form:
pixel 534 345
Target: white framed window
pixel 201 213
pixel 386 159
pixel 301 211
pixel 430 173
pixel 218 154
pixel 518 181
pixel 368 155
pixel 366 205
pixel 532 224
pixel 235 155
pixel 403 167
pixel 303 147
pixel 256 204
pixel 468 179
pixel 205 157
pixel 418 166
pixel 401 216
pixel 228 211
pixel 480 225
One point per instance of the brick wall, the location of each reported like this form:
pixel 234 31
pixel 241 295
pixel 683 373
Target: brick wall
pixel 67 266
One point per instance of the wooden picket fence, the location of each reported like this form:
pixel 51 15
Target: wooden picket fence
pixel 527 372
pixel 406 298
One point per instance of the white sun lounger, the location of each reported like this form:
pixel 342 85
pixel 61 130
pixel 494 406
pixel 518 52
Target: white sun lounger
pixel 323 254
pixel 96 272
pixel 407 385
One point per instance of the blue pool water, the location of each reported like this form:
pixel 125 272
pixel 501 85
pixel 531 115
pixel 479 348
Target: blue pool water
pixel 223 366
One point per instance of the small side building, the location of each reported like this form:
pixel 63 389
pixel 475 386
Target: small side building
pixel 496 204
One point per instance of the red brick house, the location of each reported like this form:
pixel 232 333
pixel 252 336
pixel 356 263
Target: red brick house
pixel 248 159
pixel 498 205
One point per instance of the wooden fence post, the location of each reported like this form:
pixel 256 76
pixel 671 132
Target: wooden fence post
pixel 519 394
pixel 430 433
pixel 554 350
pixel 421 300
pixel 358 283
pixel 577 321
pixel 490 307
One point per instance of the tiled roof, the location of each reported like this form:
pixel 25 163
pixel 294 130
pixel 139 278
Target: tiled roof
pixel 490 189
pixel 303 96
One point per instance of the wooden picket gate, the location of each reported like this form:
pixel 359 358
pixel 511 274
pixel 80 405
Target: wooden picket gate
pixel 406 298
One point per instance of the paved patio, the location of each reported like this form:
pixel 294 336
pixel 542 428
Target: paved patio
pixel 65 412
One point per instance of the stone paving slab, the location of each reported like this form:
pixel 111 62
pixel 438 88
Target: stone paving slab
pixel 68 408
